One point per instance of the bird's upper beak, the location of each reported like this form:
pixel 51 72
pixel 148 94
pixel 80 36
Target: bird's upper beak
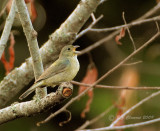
pixel 74 49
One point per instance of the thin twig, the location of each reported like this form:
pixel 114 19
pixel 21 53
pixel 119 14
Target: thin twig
pixel 134 23
pixel 93 17
pixel 124 126
pixel 101 78
pixel 134 107
pixel 31 36
pixel 100 42
pixel 90 122
pixel 133 63
pixel 7 28
pixel 3 10
pixel 129 33
pixel 116 87
pixel 83 32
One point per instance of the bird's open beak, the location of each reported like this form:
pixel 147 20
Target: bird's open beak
pixel 74 49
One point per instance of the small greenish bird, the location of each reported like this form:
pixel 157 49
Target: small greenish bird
pixel 64 69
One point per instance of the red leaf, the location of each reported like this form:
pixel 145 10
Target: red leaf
pixel 90 78
pixel 9 65
pixel 27 1
pixel 31 8
pixel 33 11
pixel 120 36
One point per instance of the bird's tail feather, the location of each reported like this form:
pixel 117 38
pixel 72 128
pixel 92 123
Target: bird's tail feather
pixel 30 90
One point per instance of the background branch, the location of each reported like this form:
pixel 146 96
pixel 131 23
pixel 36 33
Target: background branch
pixel 90 122
pixel 111 127
pixel 109 37
pixel 7 28
pixel 116 87
pixel 124 126
pixel 134 107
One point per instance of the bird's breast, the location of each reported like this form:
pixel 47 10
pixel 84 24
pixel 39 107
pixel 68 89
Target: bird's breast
pixel 74 67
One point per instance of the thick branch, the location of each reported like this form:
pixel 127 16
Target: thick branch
pixel 31 36
pixel 21 76
pixel 32 107
pixel 7 28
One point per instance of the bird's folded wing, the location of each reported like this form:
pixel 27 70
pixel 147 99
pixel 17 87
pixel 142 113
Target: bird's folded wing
pixel 57 67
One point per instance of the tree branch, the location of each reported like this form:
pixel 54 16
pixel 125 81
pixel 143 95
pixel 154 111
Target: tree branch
pixel 115 87
pixel 109 37
pixel 134 23
pixel 124 126
pixel 111 127
pixel 25 109
pixel 66 34
pixel 90 122
pixel 134 107
pixel 31 36
pixel 7 28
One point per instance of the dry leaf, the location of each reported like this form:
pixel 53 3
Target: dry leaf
pixel 90 78
pixel 127 97
pixel 9 65
pixel 120 36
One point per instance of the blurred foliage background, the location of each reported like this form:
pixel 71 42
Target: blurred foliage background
pixel 51 14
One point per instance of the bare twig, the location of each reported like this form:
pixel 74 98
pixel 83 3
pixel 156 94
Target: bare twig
pixel 124 126
pixel 101 78
pixel 116 87
pixel 66 121
pixel 134 107
pixel 7 28
pixel 93 17
pixel 3 10
pixel 123 16
pixel 135 22
pixel 83 32
pixel 31 36
pixel 133 63
pixel 90 122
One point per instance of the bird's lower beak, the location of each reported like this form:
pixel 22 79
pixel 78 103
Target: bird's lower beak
pixel 77 52
pixel 75 47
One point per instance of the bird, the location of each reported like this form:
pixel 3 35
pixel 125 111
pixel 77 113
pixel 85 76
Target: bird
pixel 64 69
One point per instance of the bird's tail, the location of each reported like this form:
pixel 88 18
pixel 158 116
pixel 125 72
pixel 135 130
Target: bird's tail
pixel 30 90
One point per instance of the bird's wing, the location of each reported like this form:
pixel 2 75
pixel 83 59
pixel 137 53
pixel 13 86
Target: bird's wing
pixel 57 67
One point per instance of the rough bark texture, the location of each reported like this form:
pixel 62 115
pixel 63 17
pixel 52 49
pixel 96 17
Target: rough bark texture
pixel 31 36
pixel 32 107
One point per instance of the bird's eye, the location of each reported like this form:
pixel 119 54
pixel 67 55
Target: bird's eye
pixel 69 49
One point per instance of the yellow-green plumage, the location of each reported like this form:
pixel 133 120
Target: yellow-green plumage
pixel 62 70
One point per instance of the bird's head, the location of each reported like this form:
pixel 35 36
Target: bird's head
pixel 69 51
